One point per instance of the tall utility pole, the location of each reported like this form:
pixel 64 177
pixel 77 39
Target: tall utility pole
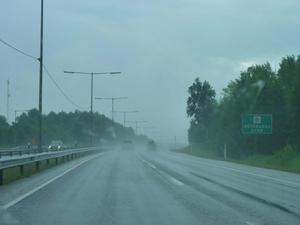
pixel 92 92
pixel 125 113
pixel 41 80
pixel 112 104
pixel 7 102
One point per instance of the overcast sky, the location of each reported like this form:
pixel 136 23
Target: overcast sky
pixel 160 47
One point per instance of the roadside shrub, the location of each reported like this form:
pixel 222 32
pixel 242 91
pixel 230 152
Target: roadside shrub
pixel 286 155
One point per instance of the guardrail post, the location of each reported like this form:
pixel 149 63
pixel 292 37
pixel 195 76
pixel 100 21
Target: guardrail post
pixel 22 170
pixel 1 177
pixel 37 165
pixel 225 152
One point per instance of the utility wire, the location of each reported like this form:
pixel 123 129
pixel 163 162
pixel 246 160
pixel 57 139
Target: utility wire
pixel 47 71
pixel 18 50
pixel 61 90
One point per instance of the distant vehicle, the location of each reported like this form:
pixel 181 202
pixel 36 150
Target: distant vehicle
pixel 56 145
pixel 151 145
pixel 127 145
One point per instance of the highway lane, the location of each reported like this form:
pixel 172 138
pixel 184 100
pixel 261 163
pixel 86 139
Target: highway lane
pixel 141 187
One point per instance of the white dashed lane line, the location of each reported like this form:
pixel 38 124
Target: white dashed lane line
pixel 163 175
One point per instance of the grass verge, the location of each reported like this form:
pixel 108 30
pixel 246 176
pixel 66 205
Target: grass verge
pixel 287 159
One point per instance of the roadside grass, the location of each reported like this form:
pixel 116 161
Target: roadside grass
pixel 271 162
pixel 4 147
pixel 199 151
pixel 287 159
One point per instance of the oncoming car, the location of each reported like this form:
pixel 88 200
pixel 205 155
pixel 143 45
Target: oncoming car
pixel 55 145
pixel 151 145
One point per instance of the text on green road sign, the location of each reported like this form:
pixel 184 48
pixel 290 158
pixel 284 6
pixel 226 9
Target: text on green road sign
pixel 257 124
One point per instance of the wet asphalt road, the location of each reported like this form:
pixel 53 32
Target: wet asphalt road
pixel 136 187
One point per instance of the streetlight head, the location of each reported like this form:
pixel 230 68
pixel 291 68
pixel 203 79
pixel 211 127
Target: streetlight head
pixel 115 73
pixel 68 72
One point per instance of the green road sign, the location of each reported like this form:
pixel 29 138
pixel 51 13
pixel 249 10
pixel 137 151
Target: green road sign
pixel 257 124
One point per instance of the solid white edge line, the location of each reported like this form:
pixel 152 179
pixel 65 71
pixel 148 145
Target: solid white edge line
pixel 20 198
pixel 252 174
pixel 256 175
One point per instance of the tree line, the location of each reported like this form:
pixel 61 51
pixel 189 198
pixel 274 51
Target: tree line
pixel 72 127
pixel 258 90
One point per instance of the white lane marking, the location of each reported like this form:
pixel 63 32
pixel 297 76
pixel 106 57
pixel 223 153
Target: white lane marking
pixel 175 181
pixel 20 198
pixel 252 174
pixel 251 223
pixel 170 178
pixel 149 164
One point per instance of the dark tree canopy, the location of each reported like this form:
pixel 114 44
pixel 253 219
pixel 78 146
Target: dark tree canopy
pixel 200 106
pixel 69 127
pixel 258 90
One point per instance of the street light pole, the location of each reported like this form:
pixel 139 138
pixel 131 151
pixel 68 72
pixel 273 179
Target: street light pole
pixel 125 113
pixel 136 124
pixel 41 80
pixel 91 110
pixel 112 109
pixel 112 104
pixel 7 102
pixel 92 92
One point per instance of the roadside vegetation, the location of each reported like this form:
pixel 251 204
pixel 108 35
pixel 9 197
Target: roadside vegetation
pixel 287 159
pixel 258 90
pixel 71 128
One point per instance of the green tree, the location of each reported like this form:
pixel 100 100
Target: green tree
pixel 200 107
pixel 289 79
pixel 4 131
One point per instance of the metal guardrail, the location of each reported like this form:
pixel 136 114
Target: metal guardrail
pixel 18 165
pixel 23 150
pixel 13 162
pixel 17 152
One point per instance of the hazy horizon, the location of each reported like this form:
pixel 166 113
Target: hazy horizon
pixel 160 48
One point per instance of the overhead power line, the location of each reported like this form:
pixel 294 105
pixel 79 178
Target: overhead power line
pixel 47 71
pixel 61 90
pixel 18 50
